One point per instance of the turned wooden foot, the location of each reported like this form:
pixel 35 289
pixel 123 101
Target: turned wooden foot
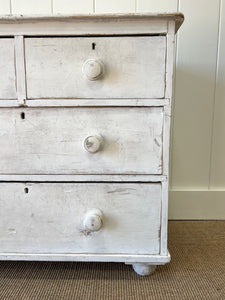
pixel 144 269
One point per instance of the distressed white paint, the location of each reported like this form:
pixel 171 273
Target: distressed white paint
pixel 126 258
pixel 168 93
pixel 93 143
pixel 93 220
pixel 164 218
pixel 7 67
pixel 47 142
pixel 87 102
pixel 214 149
pixel 49 218
pixel 123 24
pixel 50 141
pixel 20 69
pixel 93 69
pixel 82 177
pixel 54 67
pixel 72 6
pixel 144 269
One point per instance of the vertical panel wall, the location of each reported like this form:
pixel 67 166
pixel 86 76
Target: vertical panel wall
pixel 5 7
pixel 194 93
pixel 198 186
pixel 72 6
pixel 198 133
pixel 31 6
pixel 217 176
pixel 157 5
pixel 109 6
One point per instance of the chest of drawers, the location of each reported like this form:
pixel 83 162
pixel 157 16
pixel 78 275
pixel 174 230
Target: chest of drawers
pixel 85 108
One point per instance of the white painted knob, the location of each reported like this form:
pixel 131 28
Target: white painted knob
pixel 92 69
pixel 93 220
pixel 92 143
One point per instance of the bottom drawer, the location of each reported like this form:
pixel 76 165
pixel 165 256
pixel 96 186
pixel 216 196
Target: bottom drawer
pixel 58 217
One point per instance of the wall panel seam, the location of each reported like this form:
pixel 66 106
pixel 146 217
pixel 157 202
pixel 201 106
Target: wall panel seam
pixel 214 92
pixel 178 5
pixel 94 6
pixel 10 7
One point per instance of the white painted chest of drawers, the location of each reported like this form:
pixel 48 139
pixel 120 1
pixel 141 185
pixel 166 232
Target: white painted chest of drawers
pixel 85 108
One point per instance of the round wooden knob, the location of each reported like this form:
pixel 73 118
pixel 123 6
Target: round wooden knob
pixel 92 143
pixel 92 69
pixel 93 220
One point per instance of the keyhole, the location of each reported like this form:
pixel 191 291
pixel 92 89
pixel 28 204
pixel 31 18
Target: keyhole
pixel 22 115
pixel 26 190
pixel 93 46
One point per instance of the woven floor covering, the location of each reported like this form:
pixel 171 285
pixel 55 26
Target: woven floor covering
pixel 197 271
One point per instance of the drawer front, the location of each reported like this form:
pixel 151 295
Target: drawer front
pixel 7 69
pixel 98 67
pixel 53 218
pixel 61 140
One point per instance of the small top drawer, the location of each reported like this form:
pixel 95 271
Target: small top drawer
pixel 7 69
pixel 96 67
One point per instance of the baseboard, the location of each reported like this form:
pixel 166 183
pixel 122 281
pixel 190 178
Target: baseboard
pixel 197 205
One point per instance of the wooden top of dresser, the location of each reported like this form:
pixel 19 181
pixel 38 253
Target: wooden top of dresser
pixel 89 24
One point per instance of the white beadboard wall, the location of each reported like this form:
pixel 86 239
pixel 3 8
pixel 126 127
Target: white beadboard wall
pixel 198 126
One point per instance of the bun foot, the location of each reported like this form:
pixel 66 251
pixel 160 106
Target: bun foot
pixel 144 269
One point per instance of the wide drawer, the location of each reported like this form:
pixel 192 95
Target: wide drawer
pixel 131 67
pixel 59 140
pixel 52 217
pixel 7 69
